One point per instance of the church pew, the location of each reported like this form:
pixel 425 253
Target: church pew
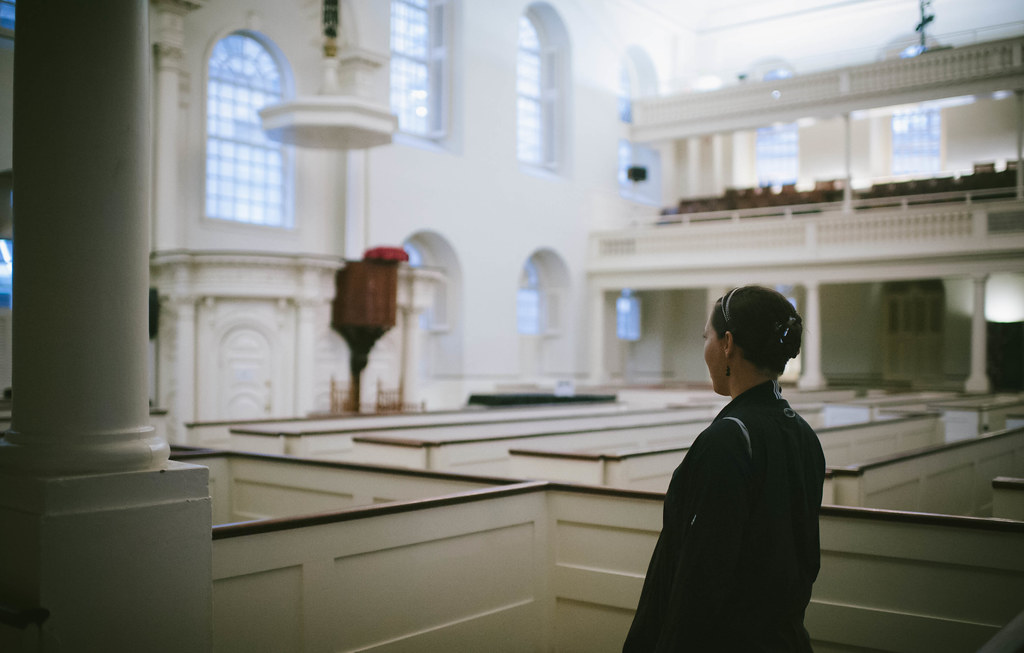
pixel 246 487
pixel 540 566
pixel 856 411
pixel 217 434
pixel 968 417
pixel 1008 498
pixel 953 478
pixel 476 448
pixel 630 466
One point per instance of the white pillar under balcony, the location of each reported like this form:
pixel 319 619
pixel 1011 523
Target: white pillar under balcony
pixel 598 369
pixel 183 407
pixel 978 380
pixel 811 377
pixel 305 357
pixel 1020 143
pixel 99 528
pixel 356 204
pixel 847 164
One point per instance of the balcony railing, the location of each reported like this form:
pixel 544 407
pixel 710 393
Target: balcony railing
pixel 985 67
pixel 889 229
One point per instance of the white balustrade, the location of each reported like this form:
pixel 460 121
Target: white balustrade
pixel 984 67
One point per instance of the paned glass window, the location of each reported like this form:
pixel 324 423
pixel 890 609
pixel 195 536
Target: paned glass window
pixel 627 316
pixel 529 84
pixel 6 272
pixel 528 313
pixel 916 141
pixel 7 11
pixel 778 152
pixel 245 171
pixel 418 65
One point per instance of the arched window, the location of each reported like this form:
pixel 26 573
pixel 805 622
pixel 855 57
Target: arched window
pixel 420 44
pixel 541 78
pixel 246 173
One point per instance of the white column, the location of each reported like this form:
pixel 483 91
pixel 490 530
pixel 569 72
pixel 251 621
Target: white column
pixel 305 357
pixel 692 167
pixel 412 349
pixel 598 370
pixel 183 409
pixel 717 165
pixel 847 164
pixel 978 380
pixel 99 528
pixel 1020 143
pixel 82 272
pixel 811 377
pixel 168 41
pixel 356 204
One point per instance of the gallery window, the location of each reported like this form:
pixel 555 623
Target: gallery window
pixel 778 152
pixel 916 141
pixel 420 44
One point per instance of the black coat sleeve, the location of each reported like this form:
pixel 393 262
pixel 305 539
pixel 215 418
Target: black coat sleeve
pixel 707 571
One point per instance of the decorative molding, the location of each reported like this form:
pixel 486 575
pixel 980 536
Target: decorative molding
pixel 981 68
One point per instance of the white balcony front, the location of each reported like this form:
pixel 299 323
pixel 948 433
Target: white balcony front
pixel 824 243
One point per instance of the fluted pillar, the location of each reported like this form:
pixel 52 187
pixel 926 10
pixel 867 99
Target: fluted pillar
pixel 81 277
pixel 305 357
pixel 978 380
pixel 811 377
pixel 183 409
pixel 168 44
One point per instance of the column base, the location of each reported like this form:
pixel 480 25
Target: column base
pixel 90 453
pixel 121 562
pixel 811 383
pixel 978 384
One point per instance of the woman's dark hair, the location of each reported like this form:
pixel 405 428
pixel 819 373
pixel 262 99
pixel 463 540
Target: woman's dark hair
pixel 763 323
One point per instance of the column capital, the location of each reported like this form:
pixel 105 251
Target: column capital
pixel 180 7
pixel 169 56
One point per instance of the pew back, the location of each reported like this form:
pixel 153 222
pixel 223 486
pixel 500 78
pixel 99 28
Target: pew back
pixel 536 566
pixel 246 487
pixel 638 468
pixel 217 434
pixel 953 478
pixel 480 448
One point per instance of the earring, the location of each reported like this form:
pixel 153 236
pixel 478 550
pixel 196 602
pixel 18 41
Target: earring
pixel 728 372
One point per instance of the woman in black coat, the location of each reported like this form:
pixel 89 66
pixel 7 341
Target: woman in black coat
pixel 739 549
